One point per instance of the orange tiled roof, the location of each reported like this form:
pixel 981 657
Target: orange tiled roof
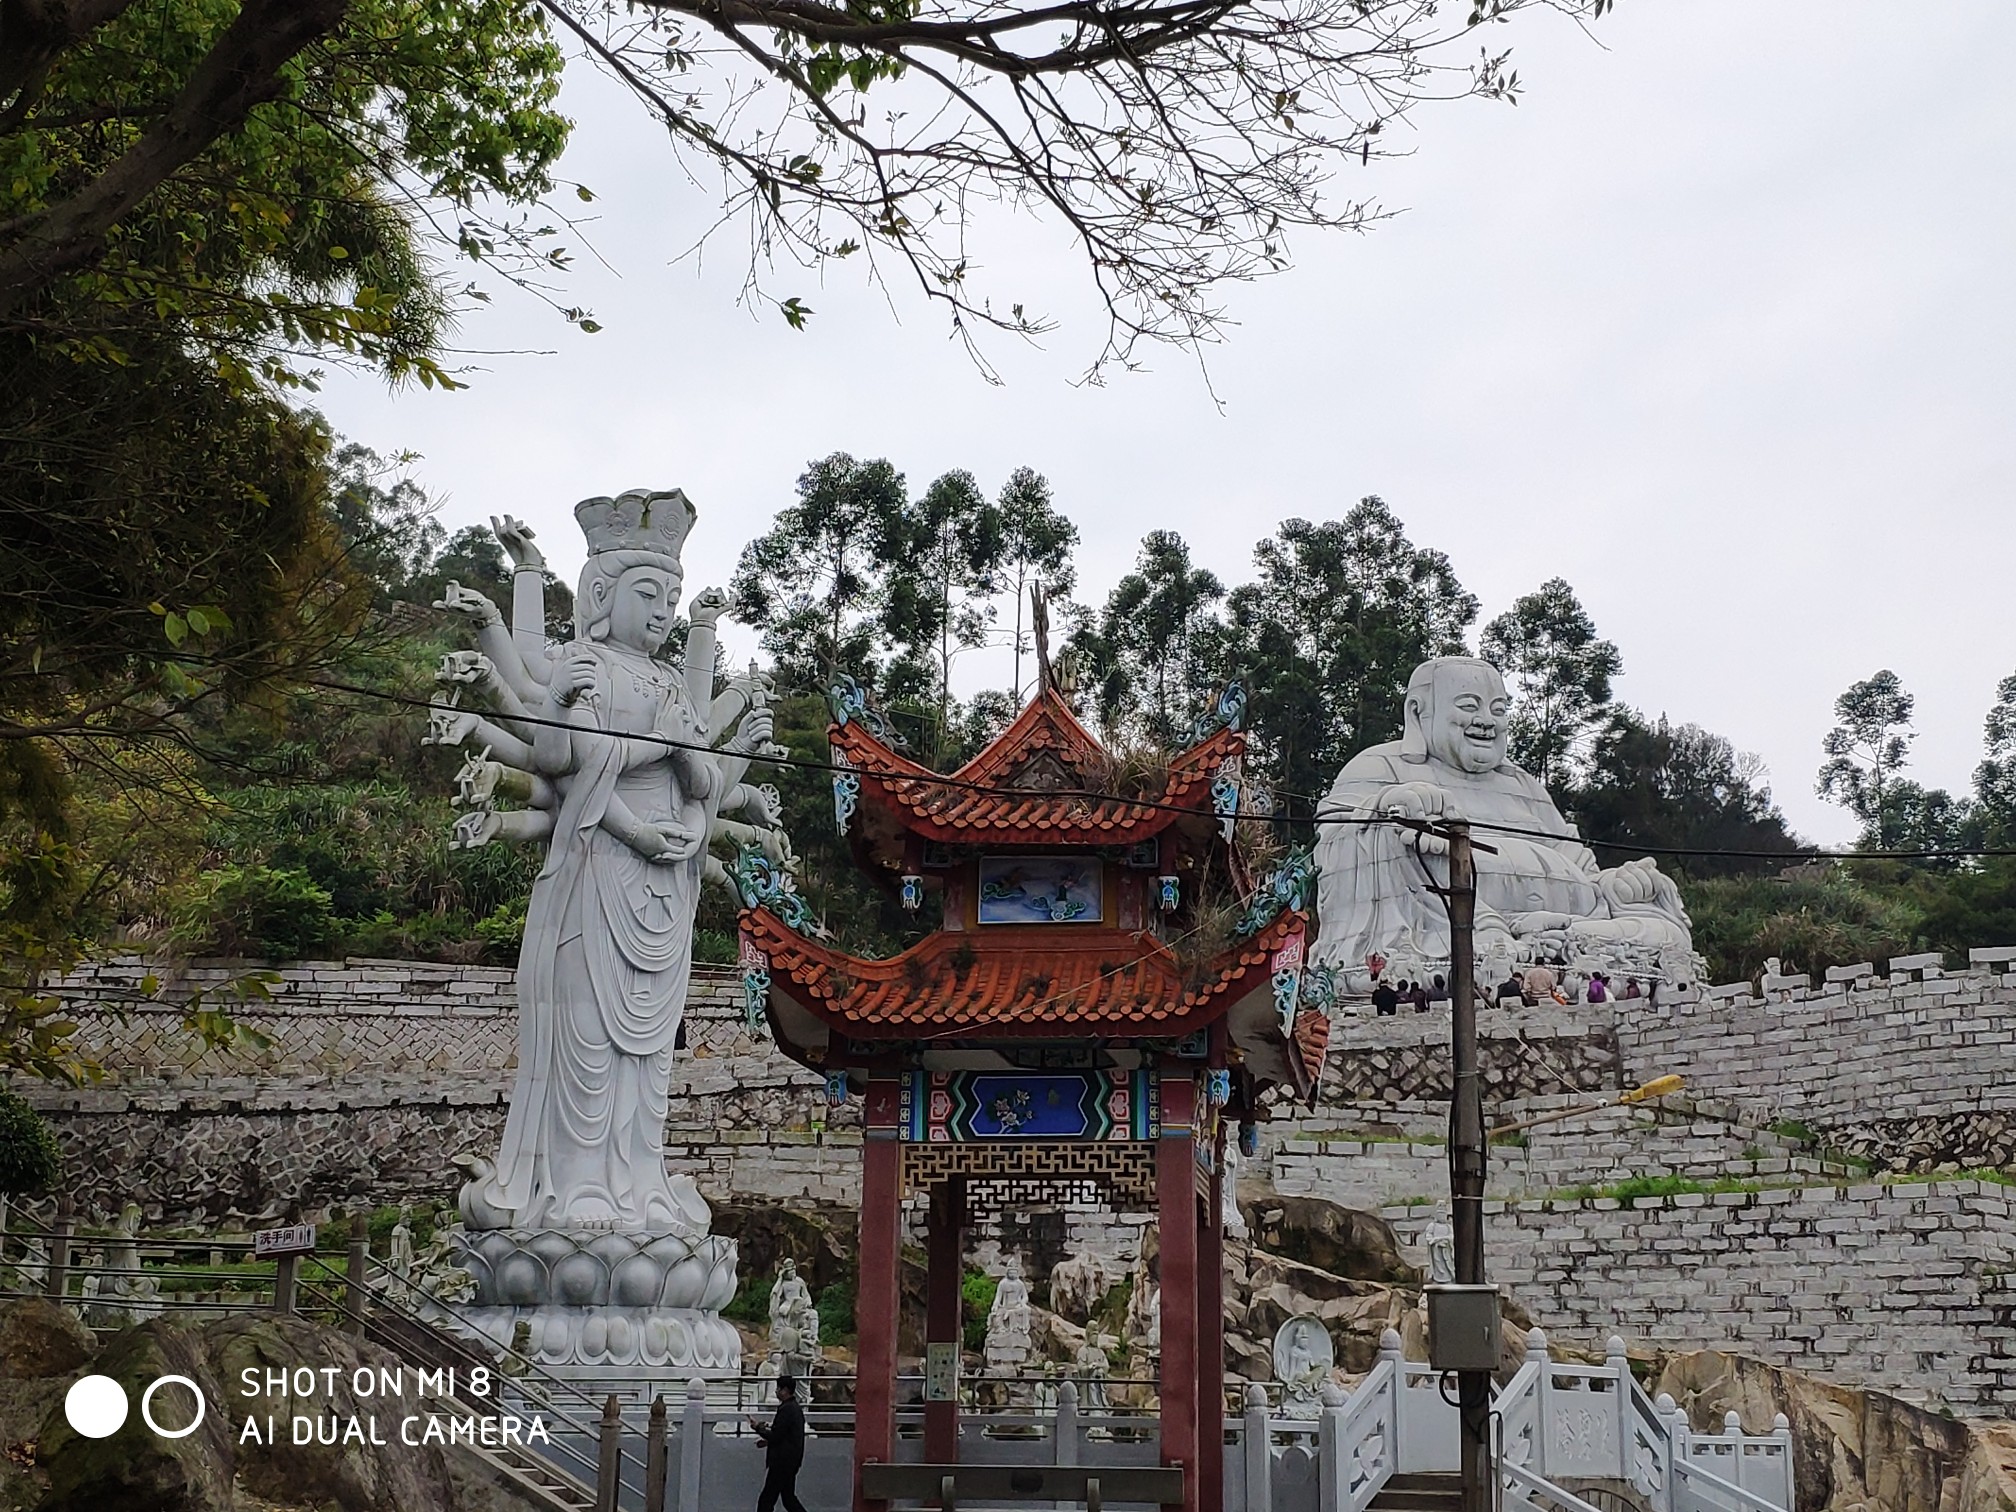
pixel 1046 736
pixel 1093 983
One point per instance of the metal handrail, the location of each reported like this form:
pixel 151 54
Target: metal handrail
pixel 546 1383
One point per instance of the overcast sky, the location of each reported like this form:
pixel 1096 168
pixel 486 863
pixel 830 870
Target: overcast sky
pixel 1717 324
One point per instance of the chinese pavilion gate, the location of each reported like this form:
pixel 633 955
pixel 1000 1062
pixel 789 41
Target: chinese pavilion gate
pixel 1097 1008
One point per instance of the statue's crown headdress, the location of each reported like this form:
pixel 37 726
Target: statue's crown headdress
pixel 641 519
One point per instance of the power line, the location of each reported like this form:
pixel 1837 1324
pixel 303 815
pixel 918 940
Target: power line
pixel 1089 796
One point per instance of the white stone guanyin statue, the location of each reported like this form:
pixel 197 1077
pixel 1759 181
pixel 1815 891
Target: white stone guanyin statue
pixel 609 932
pixel 624 764
pixel 1540 894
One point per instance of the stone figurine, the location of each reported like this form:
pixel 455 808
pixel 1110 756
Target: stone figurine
pixel 625 763
pixel 1303 1358
pixel 1440 1237
pixel 1008 1321
pixel 399 1254
pixel 1541 896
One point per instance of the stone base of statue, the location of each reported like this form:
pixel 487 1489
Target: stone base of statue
pixel 597 1302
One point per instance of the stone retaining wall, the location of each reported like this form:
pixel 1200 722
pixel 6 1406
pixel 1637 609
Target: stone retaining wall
pixel 377 1076
pixel 1904 1287
pixel 1323 1155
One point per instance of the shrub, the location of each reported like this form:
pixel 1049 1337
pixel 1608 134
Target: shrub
pixel 29 1159
pixel 256 910
pixel 976 1300
pixel 751 1302
pixel 836 1312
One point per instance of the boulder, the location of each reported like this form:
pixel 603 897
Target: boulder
pixel 210 1470
pixel 38 1339
pixel 1853 1451
pixel 1345 1242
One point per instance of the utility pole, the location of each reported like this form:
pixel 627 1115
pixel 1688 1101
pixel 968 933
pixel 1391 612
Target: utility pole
pixel 1466 1157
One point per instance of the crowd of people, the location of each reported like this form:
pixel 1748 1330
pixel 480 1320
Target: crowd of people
pixel 1528 988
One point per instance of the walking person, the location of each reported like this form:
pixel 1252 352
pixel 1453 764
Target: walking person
pixel 783 1449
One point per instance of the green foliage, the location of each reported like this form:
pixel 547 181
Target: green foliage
pixel 1152 657
pixel 1659 786
pixel 1810 921
pixel 976 1300
pixel 1559 674
pixel 835 1304
pixel 257 911
pixel 1866 750
pixel 29 1158
pixel 287 229
pixel 751 1303
pixel 1325 638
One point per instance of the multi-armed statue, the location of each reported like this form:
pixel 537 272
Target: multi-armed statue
pixel 1541 896
pixel 625 765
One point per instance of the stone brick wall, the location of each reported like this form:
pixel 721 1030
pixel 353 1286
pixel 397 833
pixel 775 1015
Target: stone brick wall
pixel 377 1075
pixel 1911 1067
pixel 1905 1287
pixel 1328 1154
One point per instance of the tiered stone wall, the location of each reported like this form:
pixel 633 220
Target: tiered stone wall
pixel 1911 1067
pixel 377 1076
pixel 380 1073
pixel 1903 1287
pixel 1356 1157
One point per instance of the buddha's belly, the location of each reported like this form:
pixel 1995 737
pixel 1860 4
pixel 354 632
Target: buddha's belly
pixel 1527 878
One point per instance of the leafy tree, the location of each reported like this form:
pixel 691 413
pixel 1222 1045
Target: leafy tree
pixel 1036 546
pixel 1559 671
pixel 1327 635
pixel 1659 786
pixel 244 172
pixel 814 583
pixel 1995 777
pixel 1152 653
pixel 1866 750
pixel 939 583
pixel 385 521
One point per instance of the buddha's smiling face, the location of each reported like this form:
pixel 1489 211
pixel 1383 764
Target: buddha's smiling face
pixel 1465 720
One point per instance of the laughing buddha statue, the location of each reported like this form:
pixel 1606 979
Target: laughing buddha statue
pixel 1540 894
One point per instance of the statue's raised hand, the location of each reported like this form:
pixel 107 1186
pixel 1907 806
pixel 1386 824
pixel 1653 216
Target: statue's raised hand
pixel 469 669
pixel 708 605
pixel 573 675
pixel 459 600
pixel 448 725
pixel 516 538
pixel 752 736
pixel 474 831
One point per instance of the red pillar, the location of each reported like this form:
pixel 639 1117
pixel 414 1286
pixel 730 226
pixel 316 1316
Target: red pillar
pixel 877 1302
pixel 1176 1201
pixel 942 1323
pixel 1211 1342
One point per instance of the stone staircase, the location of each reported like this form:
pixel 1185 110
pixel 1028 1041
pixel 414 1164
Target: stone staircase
pixel 1421 1492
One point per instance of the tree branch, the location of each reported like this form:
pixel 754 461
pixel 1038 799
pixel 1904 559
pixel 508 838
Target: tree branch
pixel 242 70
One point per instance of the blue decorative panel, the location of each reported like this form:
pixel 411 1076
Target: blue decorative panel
pixel 1040 890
